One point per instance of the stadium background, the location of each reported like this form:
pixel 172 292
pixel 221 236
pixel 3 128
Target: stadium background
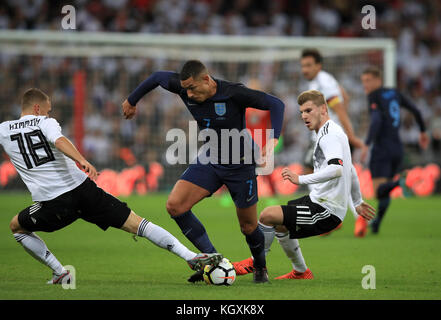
pixel 133 152
pixel 110 265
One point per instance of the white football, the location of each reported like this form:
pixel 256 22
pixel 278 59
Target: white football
pixel 222 274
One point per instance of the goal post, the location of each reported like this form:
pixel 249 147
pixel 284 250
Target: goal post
pixel 211 47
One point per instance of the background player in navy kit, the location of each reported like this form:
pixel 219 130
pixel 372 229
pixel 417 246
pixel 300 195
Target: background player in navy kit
pixel 215 104
pixel 387 150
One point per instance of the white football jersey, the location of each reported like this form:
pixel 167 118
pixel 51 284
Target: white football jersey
pixel 46 171
pixel 335 194
pixel 329 87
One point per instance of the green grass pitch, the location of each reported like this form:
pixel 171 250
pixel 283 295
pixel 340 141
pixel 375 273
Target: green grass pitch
pixel 111 265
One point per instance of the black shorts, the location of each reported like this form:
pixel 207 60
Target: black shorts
pixel 87 202
pixel 304 218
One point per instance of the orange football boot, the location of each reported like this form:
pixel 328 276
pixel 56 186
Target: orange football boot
pixel 360 227
pixel 243 267
pixel 297 275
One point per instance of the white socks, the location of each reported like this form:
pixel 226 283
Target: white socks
pixel 268 233
pixel 292 251
pixel 164 239
pixel 290 246
pixel 38 249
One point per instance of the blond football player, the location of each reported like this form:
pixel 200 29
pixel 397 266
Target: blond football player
pixel 62 193
pixel 337 100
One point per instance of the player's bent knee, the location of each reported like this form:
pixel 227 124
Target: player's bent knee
pixel 247 228
pixel 269 215
pixel 172 208
pixel 176 208
pixel 14 225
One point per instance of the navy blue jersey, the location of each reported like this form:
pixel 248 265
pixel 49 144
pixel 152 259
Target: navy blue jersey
pixel 384 109
pixel 225 110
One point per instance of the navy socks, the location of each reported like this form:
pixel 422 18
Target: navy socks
pixel 384 199
pixel 193 229
pixel 383 204
pixel 385 188
pixel 256 242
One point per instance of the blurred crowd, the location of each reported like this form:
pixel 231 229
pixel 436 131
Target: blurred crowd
pixel 414 24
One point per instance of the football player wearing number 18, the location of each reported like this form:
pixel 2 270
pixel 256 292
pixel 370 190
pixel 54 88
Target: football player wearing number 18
pixel 62 193
pixel 387 150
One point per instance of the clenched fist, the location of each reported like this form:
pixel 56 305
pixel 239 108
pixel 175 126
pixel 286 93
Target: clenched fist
pixel 129 111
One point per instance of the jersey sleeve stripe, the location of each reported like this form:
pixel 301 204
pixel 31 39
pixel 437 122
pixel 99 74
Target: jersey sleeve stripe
pixel 333 101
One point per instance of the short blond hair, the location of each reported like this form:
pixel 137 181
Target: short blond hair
pixel 33 96
pixel 314 96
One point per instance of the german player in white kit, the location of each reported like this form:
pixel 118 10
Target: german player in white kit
pixel 337 100
pixel 62 193
pixel 334 183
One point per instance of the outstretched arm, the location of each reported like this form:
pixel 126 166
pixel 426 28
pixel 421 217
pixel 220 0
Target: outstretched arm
pixel 52 131
pixel 424 138
pixel 250 98
pixel 330 172
pixel 67 147
pixel 333 152
pixel 166 79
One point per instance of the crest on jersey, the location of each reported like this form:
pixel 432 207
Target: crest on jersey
pixel 220 108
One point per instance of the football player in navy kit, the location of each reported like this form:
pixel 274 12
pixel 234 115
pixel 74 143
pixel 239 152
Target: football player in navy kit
pixel 387 150
pixel 217 105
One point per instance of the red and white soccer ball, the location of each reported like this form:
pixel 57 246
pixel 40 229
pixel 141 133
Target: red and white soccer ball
pixel 221 275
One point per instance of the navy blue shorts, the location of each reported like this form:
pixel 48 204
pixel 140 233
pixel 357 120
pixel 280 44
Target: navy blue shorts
pixel 385 166
pixel 240 181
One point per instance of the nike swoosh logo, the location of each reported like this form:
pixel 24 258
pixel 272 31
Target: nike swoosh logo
pixel 249 199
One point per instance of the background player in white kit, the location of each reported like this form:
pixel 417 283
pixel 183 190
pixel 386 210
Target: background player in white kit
pixel 334 182
pixel 62 193
pixel 337 100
